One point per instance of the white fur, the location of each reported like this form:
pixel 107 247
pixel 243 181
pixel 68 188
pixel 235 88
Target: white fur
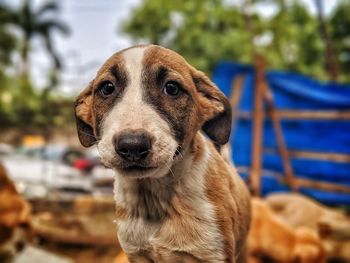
pixel 136 234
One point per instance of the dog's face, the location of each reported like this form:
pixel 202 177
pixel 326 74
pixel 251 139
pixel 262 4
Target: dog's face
pixel 144 108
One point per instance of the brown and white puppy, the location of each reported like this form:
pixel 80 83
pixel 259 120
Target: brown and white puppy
pixel 15 219
pixel 177 200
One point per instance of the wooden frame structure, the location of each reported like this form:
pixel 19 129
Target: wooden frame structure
pixel 263 96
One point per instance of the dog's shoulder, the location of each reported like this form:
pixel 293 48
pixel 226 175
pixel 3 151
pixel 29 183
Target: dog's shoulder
pixel 227 193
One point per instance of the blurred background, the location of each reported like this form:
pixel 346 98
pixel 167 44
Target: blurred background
pixel 50 50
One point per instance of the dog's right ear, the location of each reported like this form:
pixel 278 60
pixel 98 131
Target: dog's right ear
pixel 218 120
pixel 84 118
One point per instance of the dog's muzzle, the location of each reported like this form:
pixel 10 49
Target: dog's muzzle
pixel 133 147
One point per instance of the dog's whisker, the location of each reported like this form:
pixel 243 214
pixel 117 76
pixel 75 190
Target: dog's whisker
pixel 172 173
pixel 179 152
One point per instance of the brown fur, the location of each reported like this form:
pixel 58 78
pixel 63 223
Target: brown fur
pixel 300 211
pixel 220 188
pixel 209 110
pixel 90 108
pixel 15 215
pixel 121 258
pixel 270 237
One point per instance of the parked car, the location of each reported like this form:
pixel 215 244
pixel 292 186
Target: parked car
pixel 5 149
pixel 54 166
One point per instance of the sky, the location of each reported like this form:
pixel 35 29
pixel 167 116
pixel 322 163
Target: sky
pixel 95 36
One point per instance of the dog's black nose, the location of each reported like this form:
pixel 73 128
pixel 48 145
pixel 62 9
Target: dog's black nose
pixel 20 245
pixel 133 146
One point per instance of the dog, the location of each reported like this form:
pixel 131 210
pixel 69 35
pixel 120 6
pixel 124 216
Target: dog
pixel 332 225
pixel 15 219
pixel 298 210
pixel 272 238
pixel 177 200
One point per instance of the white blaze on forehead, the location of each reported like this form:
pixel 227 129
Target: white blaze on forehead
pixel 133 63
pixel 126 114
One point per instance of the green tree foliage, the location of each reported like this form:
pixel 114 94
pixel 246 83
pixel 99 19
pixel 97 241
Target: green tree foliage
pixel 34 23
pixel 296 45
pixel 340 33
pixel 20 103
pixel 7 46
pixel 201 30
pixel 206 32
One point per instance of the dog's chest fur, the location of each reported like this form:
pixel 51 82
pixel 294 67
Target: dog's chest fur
pixel 187 219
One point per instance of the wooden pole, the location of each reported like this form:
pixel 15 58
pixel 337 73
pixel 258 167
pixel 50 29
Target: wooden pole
pixel 235 97
pixel 257 129
pixel 281 144
pixel 236 91
pixel 333 115
pixel 326 186
pixel 308 183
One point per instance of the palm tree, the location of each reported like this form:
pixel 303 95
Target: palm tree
pixel 32 23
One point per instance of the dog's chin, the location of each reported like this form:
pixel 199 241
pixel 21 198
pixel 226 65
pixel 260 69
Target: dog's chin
pixel 139 172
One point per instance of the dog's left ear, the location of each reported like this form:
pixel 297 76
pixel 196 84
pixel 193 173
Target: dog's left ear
pixel 216 107
pixel 84 118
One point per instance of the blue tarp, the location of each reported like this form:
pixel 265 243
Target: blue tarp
pixel 293 92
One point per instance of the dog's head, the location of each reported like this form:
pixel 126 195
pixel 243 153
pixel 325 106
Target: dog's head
pixel 144 108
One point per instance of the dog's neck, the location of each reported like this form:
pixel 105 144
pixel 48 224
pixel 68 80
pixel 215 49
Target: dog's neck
pixel 150 198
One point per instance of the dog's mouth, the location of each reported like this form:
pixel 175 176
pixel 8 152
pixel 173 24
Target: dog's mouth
pixel 137 168
pixel 131 168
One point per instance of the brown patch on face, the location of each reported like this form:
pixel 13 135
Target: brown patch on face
pixel 91 106
pixel 200 102
pixel 162 66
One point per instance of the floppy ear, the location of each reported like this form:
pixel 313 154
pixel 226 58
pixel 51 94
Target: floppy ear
pixel 218 112
pixel 83 118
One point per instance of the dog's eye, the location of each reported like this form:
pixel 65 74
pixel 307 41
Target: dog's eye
pixel 172 89
pixel 107 89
